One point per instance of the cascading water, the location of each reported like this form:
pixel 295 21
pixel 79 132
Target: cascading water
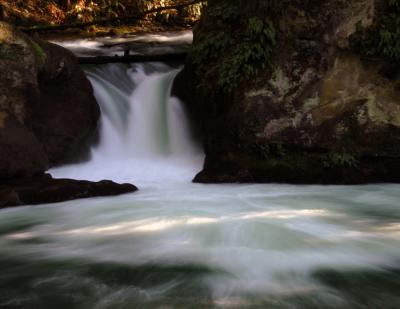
pixel 145 136
pixel 180 245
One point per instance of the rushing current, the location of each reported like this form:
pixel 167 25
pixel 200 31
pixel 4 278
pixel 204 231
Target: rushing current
pixel 179 245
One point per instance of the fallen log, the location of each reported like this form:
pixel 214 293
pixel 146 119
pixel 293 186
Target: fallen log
pixel 103 21
pixel 134 58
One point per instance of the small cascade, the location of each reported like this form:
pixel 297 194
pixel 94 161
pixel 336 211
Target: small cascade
pixel 145 136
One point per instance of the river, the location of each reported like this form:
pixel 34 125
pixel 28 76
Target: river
pixel 175 244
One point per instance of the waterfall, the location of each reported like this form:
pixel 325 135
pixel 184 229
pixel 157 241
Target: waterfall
pixel 175 244
pixel 145 136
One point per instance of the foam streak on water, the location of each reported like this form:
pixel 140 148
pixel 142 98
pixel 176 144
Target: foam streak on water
pixel 196 245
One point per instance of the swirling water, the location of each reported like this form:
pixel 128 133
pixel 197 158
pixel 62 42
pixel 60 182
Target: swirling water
pixel 175 244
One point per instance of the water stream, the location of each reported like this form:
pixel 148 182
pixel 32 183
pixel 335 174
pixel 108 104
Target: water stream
pixel 175 244
pixel 145 137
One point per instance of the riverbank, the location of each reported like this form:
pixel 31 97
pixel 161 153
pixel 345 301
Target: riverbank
pixel 124 17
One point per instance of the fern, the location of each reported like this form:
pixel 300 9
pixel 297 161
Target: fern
pixel 383 38
pixel 230 56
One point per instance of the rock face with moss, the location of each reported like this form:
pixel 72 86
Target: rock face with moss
pixel 47 101
pixel 21 154
pixel 287 91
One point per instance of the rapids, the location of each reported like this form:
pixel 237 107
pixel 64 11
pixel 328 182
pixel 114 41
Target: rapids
pixel 175 244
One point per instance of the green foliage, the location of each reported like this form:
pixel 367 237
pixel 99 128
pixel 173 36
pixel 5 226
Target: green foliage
pixel 381 40
pixel 90 10
pixel 249 57
pixel 222 14
pixel 272 149
pixel 340 160
pixel 112 8
pixel 210 47
pixel 235 49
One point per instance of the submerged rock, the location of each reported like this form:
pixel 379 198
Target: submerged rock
pixel 44 189
pixel 313 111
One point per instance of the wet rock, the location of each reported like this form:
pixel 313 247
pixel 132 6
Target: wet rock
pixel 18 79
pixel 48 112
pixel 65 117
pixel 21 154
pixel 44 189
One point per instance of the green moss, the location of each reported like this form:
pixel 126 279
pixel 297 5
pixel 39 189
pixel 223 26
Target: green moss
pixel 39 53
pixel 382 39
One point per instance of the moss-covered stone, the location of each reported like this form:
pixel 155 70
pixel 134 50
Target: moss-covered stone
pixel 47 107
pixel 40 54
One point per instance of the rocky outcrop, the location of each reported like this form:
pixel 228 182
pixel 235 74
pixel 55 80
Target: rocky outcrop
pixel 307 109
pixel 66 113
pixel 44 189
pixel 48 114
pixel 45 99
pixel 21 154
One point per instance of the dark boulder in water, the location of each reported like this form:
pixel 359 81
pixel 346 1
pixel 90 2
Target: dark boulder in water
pixel 44 189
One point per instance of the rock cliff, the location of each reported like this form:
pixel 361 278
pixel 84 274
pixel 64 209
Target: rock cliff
pixel 297 91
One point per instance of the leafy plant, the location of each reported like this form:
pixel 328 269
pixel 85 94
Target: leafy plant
pixel 236 55
pixel 340 160
pixel 252 55
pixel 382 39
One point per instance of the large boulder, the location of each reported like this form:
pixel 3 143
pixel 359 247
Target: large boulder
pixel 47 108
pixel 286 97
pixel 21 154
pixel 66 114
